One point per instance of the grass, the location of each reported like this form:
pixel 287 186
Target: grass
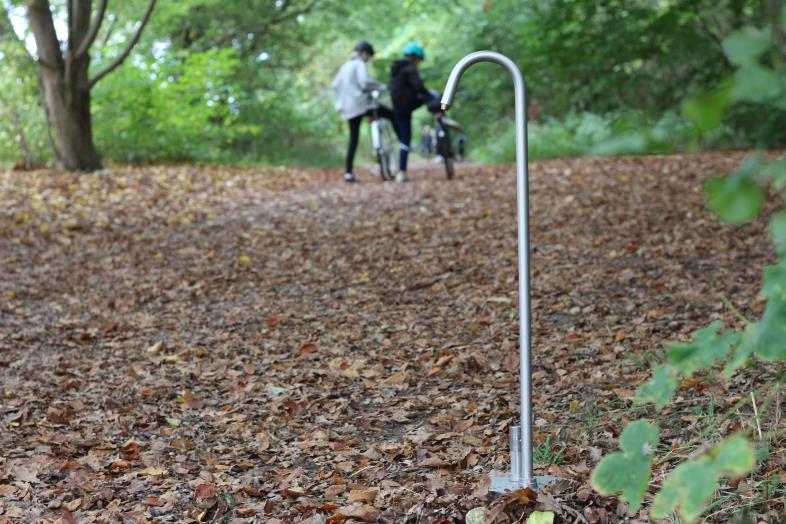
pixel 545 453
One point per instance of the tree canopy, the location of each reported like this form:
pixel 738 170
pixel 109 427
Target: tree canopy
pixel 228 81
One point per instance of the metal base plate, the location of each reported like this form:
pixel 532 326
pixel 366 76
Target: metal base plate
pixel 501 482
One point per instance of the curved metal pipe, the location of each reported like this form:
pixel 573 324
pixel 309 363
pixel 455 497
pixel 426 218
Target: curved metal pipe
pixel 522 191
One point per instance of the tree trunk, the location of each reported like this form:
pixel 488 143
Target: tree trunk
pixel 64 75
pixel 68 107
pixel 65 84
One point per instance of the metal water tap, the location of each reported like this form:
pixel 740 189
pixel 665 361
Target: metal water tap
pixel 521 474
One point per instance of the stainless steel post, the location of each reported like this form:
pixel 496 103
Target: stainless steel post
pixel 522 191
pixel 515 454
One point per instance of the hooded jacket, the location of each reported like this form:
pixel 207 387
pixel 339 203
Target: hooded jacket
pixel 350 86
pixel 406 87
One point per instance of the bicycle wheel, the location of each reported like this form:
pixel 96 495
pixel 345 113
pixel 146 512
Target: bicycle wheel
pixel 449 167
pixel 444 148
pixel 385 151
pixel 384 166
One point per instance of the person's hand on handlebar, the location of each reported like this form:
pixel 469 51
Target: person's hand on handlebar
pixel 373 85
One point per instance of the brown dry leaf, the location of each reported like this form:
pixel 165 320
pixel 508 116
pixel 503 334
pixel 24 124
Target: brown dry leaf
pixel 253 492
pixel 155 349
pixel 263 440
pixel 24 473
pixel 152 471
pixel 293 492
pixel 245 511
pixel 155 501
pixel 307 351
pixel 523 496
pixel 130 450
pixel 396 378
pixel 433 461
pixel 362 495
pixel 73 505
pixel 362 512
pixel 180 443
pixel 334 490
pixel 205 495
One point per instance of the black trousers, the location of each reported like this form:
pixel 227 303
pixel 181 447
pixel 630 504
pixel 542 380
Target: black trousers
pixel 402 114
pixel 354 133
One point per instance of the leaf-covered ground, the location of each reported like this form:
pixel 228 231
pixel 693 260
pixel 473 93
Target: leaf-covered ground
pixel 212 344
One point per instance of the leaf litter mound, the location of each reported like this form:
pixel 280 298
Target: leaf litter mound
pixel 209 344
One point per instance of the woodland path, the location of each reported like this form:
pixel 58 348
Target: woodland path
pixel 213 343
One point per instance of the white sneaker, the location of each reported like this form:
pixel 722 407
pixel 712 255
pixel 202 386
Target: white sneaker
pixel 349 178
pixel 401 176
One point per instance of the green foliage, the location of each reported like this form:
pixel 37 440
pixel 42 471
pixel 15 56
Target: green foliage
pixel 706 347
pixel 778 230
pixel 541 517
pixel 706 110
pixel 745 46
pixel 628 471
pixel 545 453
pixel 607 76
pixel 23 138
pixel 688 488
pixel 660 388
pixel 735 199
pixel 709 345
pixel 169 111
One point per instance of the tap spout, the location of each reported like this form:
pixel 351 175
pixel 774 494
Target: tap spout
pixel 462 65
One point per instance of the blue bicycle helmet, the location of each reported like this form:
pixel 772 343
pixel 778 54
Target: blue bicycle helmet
pixel 413 49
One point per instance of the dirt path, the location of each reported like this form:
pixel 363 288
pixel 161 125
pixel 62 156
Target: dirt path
pixel 202 343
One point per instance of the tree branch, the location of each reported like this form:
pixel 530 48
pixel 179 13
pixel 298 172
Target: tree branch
pixel 93 31
pixel 121 58
pixel 47 45
pixel 7 32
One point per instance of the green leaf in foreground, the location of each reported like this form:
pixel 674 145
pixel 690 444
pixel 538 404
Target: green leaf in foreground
pixel 778 231
pixel 628 472
pixel 692 484
pixel 755 83
pixel 541 517
pixel 776 171
pixel 735 199
pixel 742 352
pixel 686 490
pixel 706 110
pixel 660 388
pixel 770 333
pixel 746 45
pixel 707 347
pixel 774 281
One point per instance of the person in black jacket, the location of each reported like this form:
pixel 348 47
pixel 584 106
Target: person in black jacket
pixel 407 93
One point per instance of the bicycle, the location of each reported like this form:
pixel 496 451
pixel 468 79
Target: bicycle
pixel 382 141
pixel 445 142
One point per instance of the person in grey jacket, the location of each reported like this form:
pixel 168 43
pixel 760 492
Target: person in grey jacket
pixel 350 87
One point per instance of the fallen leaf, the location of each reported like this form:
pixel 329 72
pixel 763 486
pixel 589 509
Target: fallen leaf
pixel 362 495
pixel 154 472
